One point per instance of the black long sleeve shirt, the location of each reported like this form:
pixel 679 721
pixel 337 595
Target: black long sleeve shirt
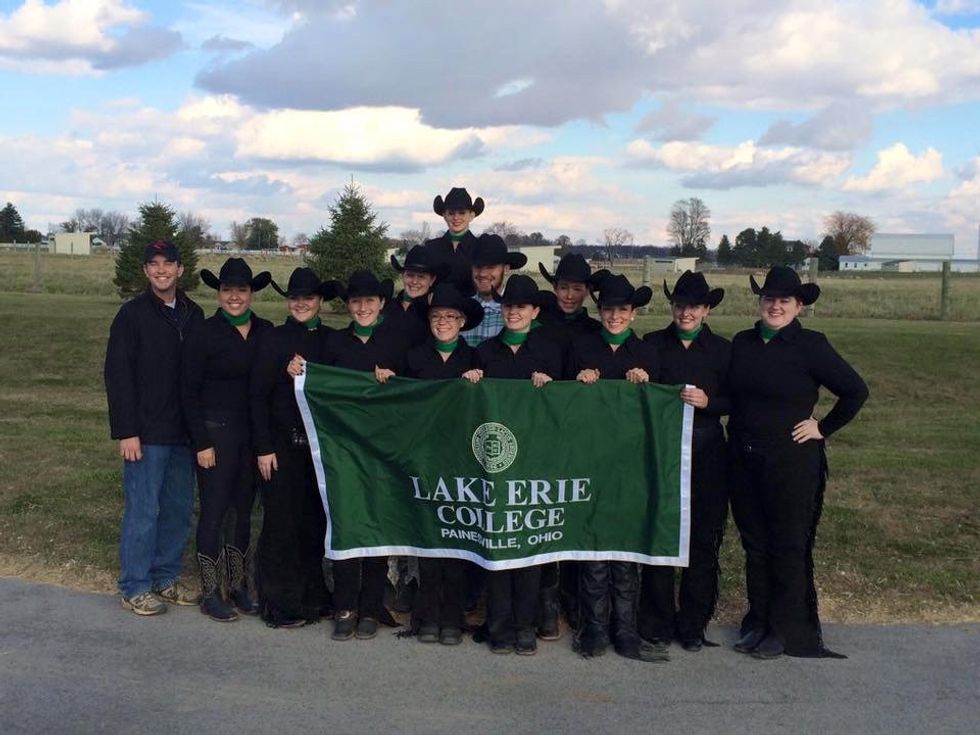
pixel 425 361
pixel 272 402
pixel 142 368
pixel 217 363
pixel 385 348
pixel 564 331
pixel 538 354
pixel 775 385
pixel 590 352
pixel 460 258
pixel 410 321
pixel 704 364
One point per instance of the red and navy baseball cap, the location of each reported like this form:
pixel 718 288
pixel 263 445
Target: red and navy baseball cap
pixel 161 247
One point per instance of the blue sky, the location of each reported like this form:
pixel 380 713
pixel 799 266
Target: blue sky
pixel 567 118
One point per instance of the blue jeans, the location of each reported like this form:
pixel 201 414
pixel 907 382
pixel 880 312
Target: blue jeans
pixel 159 494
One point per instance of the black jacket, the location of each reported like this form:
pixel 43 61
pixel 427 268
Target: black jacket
pixel 459 258
pixel 385 348
pixel 538 354
pixel 410 321
pixel 272 402
pixel 142 368
pixel 424 361
pixel 704 364
pixel 590 352
pixel 564 330
pixel 217 363
pixel 775 385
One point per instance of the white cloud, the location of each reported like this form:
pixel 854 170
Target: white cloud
pixel 672 122
pixel 78 37
pixel 746 164
pixel 839 127
pixel 605 56
pixel 957 7
pixel 896 167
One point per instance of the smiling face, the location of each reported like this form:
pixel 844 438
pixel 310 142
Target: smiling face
pixel 235 300
pixel 417 283
pixel 488 278
pixel 778 311
pixel 365 309
pixel 518 317
pixel 304 308
pixel 163 275
pixel 617 319
pixel 571 295
pixel 687 317
pixel 445 323
pixel 458 220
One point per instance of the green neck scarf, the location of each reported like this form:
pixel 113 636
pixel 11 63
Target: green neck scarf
pixel 312 324
pixel 446 346
pixel 616 339
pixel 510 337
pixel 457 237
pixel 237 321
pixel 577 314
pixel 689 336
pixel 369 329
pixel 767 332
pixel 404 297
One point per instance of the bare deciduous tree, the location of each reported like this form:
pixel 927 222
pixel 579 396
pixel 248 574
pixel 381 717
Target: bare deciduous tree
pixel 613 239
pixel 411 238
pixel 851 232
pixel 239 234
pixel 688 226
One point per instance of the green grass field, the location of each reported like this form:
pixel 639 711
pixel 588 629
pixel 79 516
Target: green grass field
pixel 899 538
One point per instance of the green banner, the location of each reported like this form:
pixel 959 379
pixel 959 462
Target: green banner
pixel 499 472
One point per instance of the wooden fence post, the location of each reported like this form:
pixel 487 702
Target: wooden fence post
pixel 945 295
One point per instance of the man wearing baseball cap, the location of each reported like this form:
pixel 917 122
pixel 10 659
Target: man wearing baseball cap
pixel 142 368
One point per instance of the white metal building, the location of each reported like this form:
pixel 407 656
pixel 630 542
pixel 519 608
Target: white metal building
pixel 73 243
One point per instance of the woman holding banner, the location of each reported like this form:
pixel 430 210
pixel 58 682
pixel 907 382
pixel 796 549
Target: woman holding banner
pixel 519 352
pixel 290 554
pixel 691 354
pixel 438 609
pixel 608 590
pixel 779 464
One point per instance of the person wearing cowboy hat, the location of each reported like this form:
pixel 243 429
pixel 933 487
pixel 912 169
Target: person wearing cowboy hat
pixel 215 367
pixel 439 602
pixel 520 351
pixel 563 318
pixel 690 354
pixel 419 273
pixel 292 589
pixel 376 344
pixel 608 590
pixel 779 466
pixel 142 381
pixel 568 317
pixel 455 247
pixel 490 263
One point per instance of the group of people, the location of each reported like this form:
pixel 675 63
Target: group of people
pixel 216 395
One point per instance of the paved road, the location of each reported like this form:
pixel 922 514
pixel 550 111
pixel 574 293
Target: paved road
pixel 75 662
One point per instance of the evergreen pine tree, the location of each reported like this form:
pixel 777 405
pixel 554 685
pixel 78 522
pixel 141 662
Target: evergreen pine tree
pixel 827 254
pixel 156 222
pixel 355 239
pixel 11 224
pixel 724 251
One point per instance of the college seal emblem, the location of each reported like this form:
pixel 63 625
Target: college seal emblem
pixel 494 446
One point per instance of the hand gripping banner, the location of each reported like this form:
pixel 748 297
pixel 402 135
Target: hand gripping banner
pixel 499 472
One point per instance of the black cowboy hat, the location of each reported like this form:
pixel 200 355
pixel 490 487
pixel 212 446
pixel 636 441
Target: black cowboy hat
pixel 304 282
pixel 782 280
pixel 235 272
pixel 692 289
pixel 457 198
pixel 522 289
pixel 616 290
pixel 447 296
pixel 421 260
pixel 365 283
pixel 492 250
pixel 572 267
